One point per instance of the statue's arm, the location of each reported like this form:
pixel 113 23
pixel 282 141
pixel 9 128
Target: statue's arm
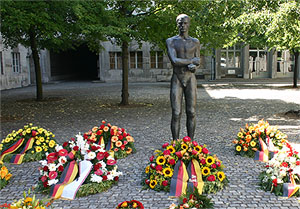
pixel 173 55
pixel 196 58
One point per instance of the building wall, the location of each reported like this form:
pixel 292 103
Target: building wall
pixel 10 79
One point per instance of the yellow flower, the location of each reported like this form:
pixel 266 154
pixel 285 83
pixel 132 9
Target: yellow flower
pixel 221 176
pixel 240 134
pixel 252 143
pixel 28 130
pixel 38 142
pixel 3 172
pixel 52 143
pixel 45 149
pixel 210 160
pixel 23 133
pixel 147 169
pixel 198 148
pixel 7 140
pixel 152 184
pixel 38 149
pixel 161 160
pixel 42 139
pixel 171 148
pixel 168 172
pixel 238 148
pixel 8 176
pixel 28 199
pixel 32 151
pixel 124 204
pixel 205 171
pixel 184 146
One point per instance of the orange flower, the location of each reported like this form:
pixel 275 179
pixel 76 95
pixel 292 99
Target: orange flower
pixel 129 150
pixel 119 143
pixel 3 172
pixel 114 138
pixel 94 129
pixel 248 138
pixel 129 138
pixel 8 176
pixel 106 129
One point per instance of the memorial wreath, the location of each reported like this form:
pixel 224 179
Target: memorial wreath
pixel 130 204
pixel 28 144
pixel 77 168
pixel 184 164
pixel 115 139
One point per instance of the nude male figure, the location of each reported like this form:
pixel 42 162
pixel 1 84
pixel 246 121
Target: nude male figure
pixel 184 54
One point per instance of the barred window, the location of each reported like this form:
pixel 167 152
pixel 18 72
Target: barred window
pixel 136 60
pixel 115 60
pixel 156 59
pixel 16 64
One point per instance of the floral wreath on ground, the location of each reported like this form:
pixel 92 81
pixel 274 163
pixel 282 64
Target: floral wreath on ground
pixel 282 173
pixel 114 139
pixel 248 143
pixel 28 202
pixel 4 175
pixel 28 144
pixel 130 204
pixel 97 170
pixel 162 167
pixel 192 200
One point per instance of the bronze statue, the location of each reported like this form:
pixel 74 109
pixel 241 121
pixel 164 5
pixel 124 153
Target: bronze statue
pixel 184 54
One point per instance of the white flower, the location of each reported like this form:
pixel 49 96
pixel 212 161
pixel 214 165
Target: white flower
pixel 52 167
pixel 91 155
pixel 43 162
pixel 62 160
pixel 292 160
pixel 58 147
pixel 269 170
pixel 279 181
pixel 103 164
pixel 273 177
pixel 282 173
pixel 96 178
pixel 52 181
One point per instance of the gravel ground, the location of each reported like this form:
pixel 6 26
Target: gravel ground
pixel 222 108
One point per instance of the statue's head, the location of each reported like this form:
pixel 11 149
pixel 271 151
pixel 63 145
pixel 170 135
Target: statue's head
pixel 183 23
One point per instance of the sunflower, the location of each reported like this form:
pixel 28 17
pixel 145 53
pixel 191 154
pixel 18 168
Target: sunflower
pixel 205 171
pixel 221 176
pixel 38 149
pixel 152 184
pixel 52 143
pixel 198 148
pixel 161 160
pixel 210 160
pixel 171 148
pixel 238 148
pixel 147 169
pixel 168 172
pixel 184 146
pixel 240 134
pixel 252 143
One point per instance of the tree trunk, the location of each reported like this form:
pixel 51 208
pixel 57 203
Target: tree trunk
pixel 36 60
pixel 296 53
pixel 125 66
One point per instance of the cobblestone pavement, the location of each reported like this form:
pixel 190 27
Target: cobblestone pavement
pixel 222 108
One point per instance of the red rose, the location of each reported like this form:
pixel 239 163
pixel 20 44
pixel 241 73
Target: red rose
pixel 218 163
pixel 112 132
pixel 194 143
pixel 186 139
pixel 165 183
pixel 158 168
pixel 104 178
pixel 52 157
pixel 45 183
pixel 85 136
pixel 184 200
pixel 120 137
pixel 116 178
pixel 167 152
pixel 102 126
pixel 123 130
pixel 284 164
pixel 147 181
pixel 63 152
pixel 152 165
pixel 60 168
pixel 172 161
pixel 96 167
pixel 211 178
pixel 298 162
pixel 100 155
pixel 125 142
pixel 98 132
pixel 204 150
pixel 194 152
pixel 73 139
pixel 34 133
pixel 122 147
pixel 75 148
pixel 191 196
pixel 45 168
pixel 179 154
pixel 165 145
pixel 65 144
pixel 106 154
pixel 151 158
pixel 111 162
pixel 94 148
pixel 44 178
pixel 274 182
pixel 213 165
pixel 124 134
pixel 203 161
pixel 52 174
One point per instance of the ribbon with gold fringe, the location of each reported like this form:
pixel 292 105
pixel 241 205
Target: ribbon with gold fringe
pixel 179 179
pixel 67 176
pixel 263 154
pixel 12 148
pixel 18 158
pixel 289 189
pixel 195 176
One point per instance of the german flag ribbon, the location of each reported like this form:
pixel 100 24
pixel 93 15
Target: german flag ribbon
pixel 18 158
pixel 101 141
pixel 195 176
pixel 67 176
pixel 12 148
pixel 179 179
pixel 289 189
pixel 263 153
pixel 71 189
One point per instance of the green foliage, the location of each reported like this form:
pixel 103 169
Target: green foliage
pixel 93 188
pixel 195 200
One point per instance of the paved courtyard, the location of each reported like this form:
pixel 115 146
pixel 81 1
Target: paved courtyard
pixel 222 108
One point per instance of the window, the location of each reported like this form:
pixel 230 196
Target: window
pixel 231 57
pixel 156 59
pixel 115 60
pixel 136 59
pixel 257 60
pixel 1 64
pixel 285 62
pixel 16 64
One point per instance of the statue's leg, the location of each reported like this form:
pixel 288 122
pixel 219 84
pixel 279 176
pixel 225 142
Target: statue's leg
pixel 190 94
pixel 176 104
